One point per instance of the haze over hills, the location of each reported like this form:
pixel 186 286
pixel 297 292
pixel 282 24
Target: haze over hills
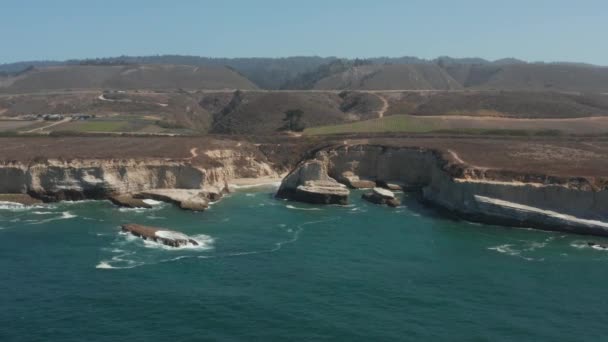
pixel 302 73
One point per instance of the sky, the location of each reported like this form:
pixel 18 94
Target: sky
pixel 532 30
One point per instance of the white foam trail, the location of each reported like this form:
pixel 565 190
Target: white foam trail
pixel 205 239
pixel 152 217
pixel 509 250
pixel 42 213
pixel 137 210
pixel 296 208
pixel 5 205
pixel 66 215
pixel 106 265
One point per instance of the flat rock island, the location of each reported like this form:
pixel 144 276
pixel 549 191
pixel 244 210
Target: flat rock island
pixel 160 235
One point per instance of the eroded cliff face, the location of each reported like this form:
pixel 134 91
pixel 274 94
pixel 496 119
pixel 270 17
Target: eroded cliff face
pixel 483 195
pixel 80 179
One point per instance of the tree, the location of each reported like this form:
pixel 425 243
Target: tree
pixel 293 120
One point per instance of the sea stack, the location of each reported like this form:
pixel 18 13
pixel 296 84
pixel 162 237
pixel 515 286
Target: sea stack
pixel 309 182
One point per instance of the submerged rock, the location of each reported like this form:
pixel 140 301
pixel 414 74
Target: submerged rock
pixel 381 196
pixel 597 245
pixel 164 236
pixel 128 201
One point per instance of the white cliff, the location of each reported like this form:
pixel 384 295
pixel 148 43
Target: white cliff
pixel 459 188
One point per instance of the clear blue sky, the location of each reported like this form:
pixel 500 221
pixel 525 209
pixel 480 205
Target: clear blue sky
pixel 533 30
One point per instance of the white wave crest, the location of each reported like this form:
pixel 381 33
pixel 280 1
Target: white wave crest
pixel 205 242
pixel 297 208
pixel 66 215
pixel 509 249
pixel 10 205
pixel 104 265
pixel 42 213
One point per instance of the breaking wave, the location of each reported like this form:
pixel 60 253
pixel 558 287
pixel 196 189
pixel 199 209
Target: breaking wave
pixel 585 244
pixel 519 251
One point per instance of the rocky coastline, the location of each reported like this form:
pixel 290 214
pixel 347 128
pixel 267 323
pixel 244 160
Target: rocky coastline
pixel 190 184
pixel 323 177
pixel 481 195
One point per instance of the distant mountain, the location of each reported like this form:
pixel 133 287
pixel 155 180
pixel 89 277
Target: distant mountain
pixel 392 76
pixel 268 73
pixel 333 73
pixel 124 77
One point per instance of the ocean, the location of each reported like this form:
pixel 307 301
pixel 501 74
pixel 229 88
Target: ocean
pixel 273 270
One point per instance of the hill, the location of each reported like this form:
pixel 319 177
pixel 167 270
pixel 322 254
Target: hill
pixel 395 76
pixel 264 112
pixel 537 76
pixel 124 77
pixel 267 73
pixel 380 73
pixel 512 104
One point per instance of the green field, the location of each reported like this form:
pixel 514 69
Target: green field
pixel 93 126
pixel 468 125
pixel 393 123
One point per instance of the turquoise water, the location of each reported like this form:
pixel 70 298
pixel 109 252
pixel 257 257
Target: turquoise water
pixel 271 270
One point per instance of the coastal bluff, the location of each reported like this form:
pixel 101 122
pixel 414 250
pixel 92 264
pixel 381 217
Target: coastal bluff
pixel 478 194
pixel 190 177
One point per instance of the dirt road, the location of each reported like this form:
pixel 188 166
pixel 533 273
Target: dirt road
pixel 40 129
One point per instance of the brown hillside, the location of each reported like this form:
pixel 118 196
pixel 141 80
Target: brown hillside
pixel 562 77
pixel 263 113
pixel 516 104
pixel 125 77
pixel 398 76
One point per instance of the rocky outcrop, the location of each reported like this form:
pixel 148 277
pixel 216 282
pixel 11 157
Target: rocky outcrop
pixel 382 197
pixel 460 188
pixel 19 198
pixel 160 235
pixel 128 201
pixel 310 183
pixel 353 181
pixel 56 180
pixel 390 186
pixel 322 192
pixel 195 200
pixel 508 213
